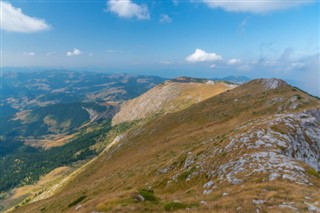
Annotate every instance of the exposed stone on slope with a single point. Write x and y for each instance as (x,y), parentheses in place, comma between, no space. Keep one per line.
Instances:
(271,147)
(312,208)
(271,83)
(271,163)
(294,135)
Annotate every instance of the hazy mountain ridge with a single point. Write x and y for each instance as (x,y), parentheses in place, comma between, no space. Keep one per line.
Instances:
(243,150)
(34,103)
(234,79)
(72,86)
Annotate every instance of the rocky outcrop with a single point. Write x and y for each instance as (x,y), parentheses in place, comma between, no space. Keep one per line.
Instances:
(273,147)
(271,83)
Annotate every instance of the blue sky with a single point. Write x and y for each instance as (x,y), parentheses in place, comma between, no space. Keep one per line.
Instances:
(167,38)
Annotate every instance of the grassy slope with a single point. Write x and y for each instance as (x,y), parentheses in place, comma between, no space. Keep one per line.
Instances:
(170,96)
(25,193)
(110,181)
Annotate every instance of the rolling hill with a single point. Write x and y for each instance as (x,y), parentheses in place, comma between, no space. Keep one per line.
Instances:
(254,148)
(170,96)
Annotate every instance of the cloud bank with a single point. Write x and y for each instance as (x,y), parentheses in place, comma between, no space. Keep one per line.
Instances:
(202,56)
(128,9)
(254,6)
(13,20)
(29,53)
(234,61)
(75,52)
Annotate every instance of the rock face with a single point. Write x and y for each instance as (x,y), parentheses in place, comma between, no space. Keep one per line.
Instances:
(285,140)
(295,135)
(169,97)
(273,147)
(271,83)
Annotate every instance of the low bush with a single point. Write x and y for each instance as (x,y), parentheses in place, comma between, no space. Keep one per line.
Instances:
(148,195)
(76,201)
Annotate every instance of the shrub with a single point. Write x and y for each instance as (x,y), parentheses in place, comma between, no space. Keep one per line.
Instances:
(148,195)
(76,201)
(184,175)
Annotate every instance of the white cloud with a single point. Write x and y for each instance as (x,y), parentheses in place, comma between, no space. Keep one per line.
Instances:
(74,52)
(254,6)
(202,56)
(128,9)
(29,53)
(234,61)
(13,20)
(164,18)
(213,66)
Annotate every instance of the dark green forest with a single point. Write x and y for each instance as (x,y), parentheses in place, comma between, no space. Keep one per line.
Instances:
(27,164)
(38,104)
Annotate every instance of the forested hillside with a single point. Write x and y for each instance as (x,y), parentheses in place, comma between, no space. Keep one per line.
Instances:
(56,118)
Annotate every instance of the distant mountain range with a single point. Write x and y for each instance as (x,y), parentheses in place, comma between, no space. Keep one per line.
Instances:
(50,102)
(234,79)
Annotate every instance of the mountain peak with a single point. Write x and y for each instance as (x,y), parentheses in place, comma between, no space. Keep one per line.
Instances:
(271,83)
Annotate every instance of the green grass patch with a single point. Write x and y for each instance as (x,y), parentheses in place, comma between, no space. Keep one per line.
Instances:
(185,175)
(172,206)
(223,154)
(278,129)
(148,195)
(313,172)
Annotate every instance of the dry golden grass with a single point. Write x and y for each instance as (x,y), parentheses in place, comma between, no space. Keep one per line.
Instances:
(167,98)
(109,181)
(30,192)
(49,141)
